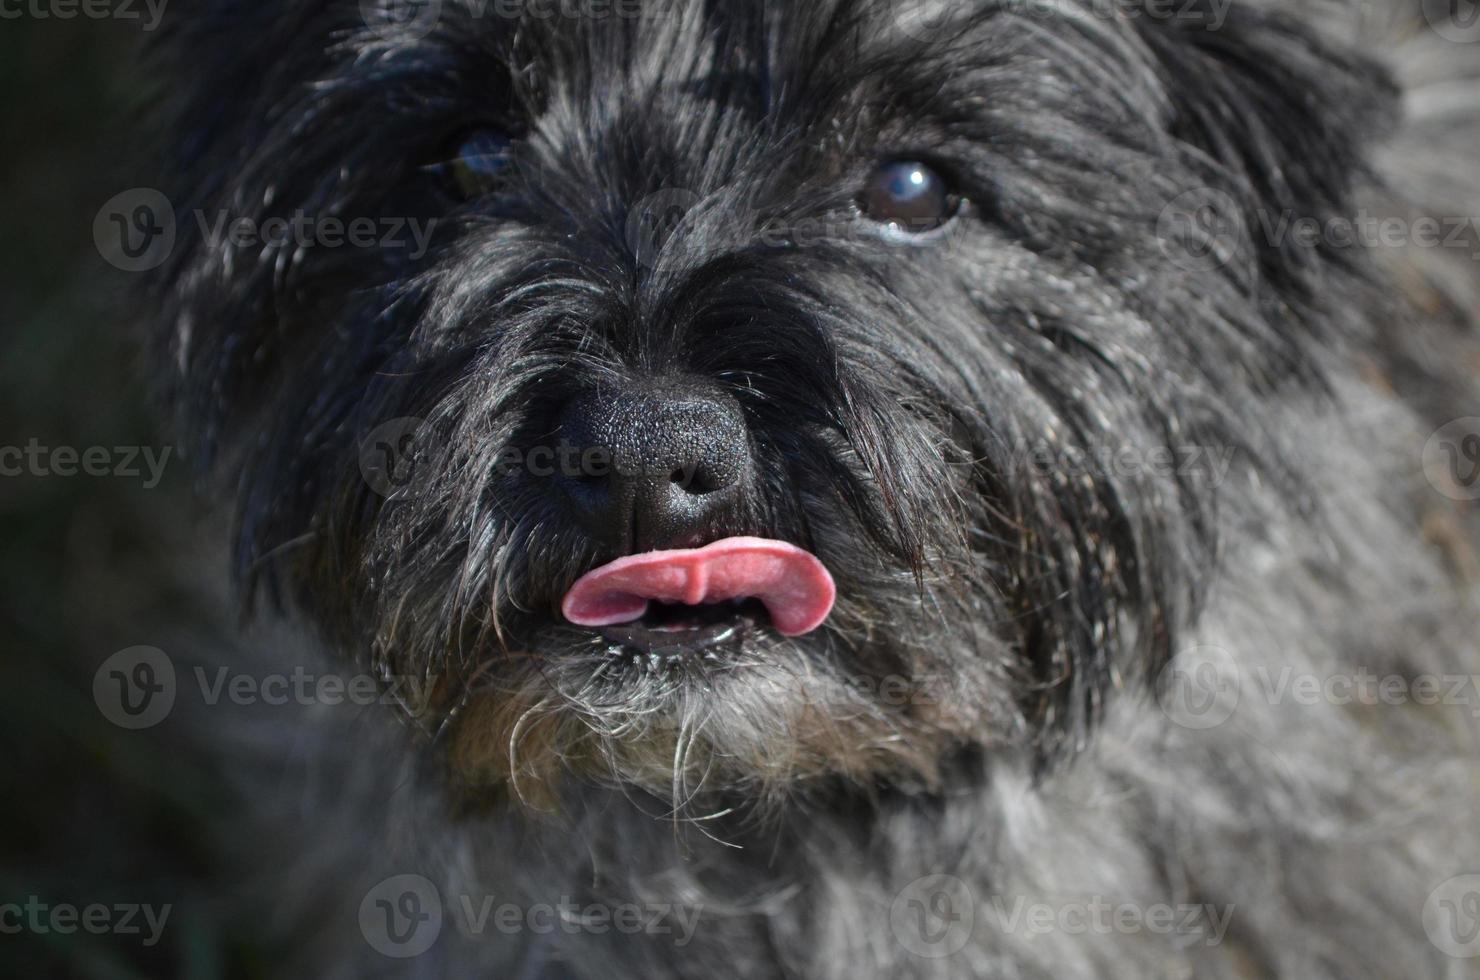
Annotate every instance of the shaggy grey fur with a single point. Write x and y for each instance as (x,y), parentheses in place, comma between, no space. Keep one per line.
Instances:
(1069,622)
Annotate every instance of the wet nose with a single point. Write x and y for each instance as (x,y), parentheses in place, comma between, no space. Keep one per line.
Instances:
(661,462)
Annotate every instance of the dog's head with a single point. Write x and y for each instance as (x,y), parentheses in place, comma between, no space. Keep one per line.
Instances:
(936,305)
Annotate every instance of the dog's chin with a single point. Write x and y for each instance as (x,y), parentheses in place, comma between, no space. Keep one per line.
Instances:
(686,703)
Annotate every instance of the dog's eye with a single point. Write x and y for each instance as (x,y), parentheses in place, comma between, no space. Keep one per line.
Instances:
(908,196)
(480,161)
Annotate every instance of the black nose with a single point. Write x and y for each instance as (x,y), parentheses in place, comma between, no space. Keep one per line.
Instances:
(661,464)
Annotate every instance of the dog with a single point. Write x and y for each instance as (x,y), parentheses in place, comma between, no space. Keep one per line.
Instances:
(843,489)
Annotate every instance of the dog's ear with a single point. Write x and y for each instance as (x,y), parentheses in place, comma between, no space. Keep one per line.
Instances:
(232,72)
(1284,115)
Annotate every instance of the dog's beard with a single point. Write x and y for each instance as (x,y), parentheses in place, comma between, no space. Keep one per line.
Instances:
(939,421)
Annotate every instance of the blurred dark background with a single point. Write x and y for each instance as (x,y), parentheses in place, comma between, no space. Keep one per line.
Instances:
(89,565)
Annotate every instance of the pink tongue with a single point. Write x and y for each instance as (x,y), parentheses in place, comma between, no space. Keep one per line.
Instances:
(794,585)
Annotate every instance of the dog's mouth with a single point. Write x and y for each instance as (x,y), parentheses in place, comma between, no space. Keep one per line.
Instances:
(672,628)
(700,598)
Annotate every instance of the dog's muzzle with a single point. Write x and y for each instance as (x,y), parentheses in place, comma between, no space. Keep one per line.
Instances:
(666,465)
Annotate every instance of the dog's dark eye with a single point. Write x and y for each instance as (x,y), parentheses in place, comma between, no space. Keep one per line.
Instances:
(480,161)
(908,196)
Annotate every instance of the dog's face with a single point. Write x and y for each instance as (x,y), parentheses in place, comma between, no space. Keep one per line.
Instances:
(920,292)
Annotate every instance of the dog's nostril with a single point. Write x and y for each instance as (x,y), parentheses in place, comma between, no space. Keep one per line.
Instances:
(695,479)
(680,453)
